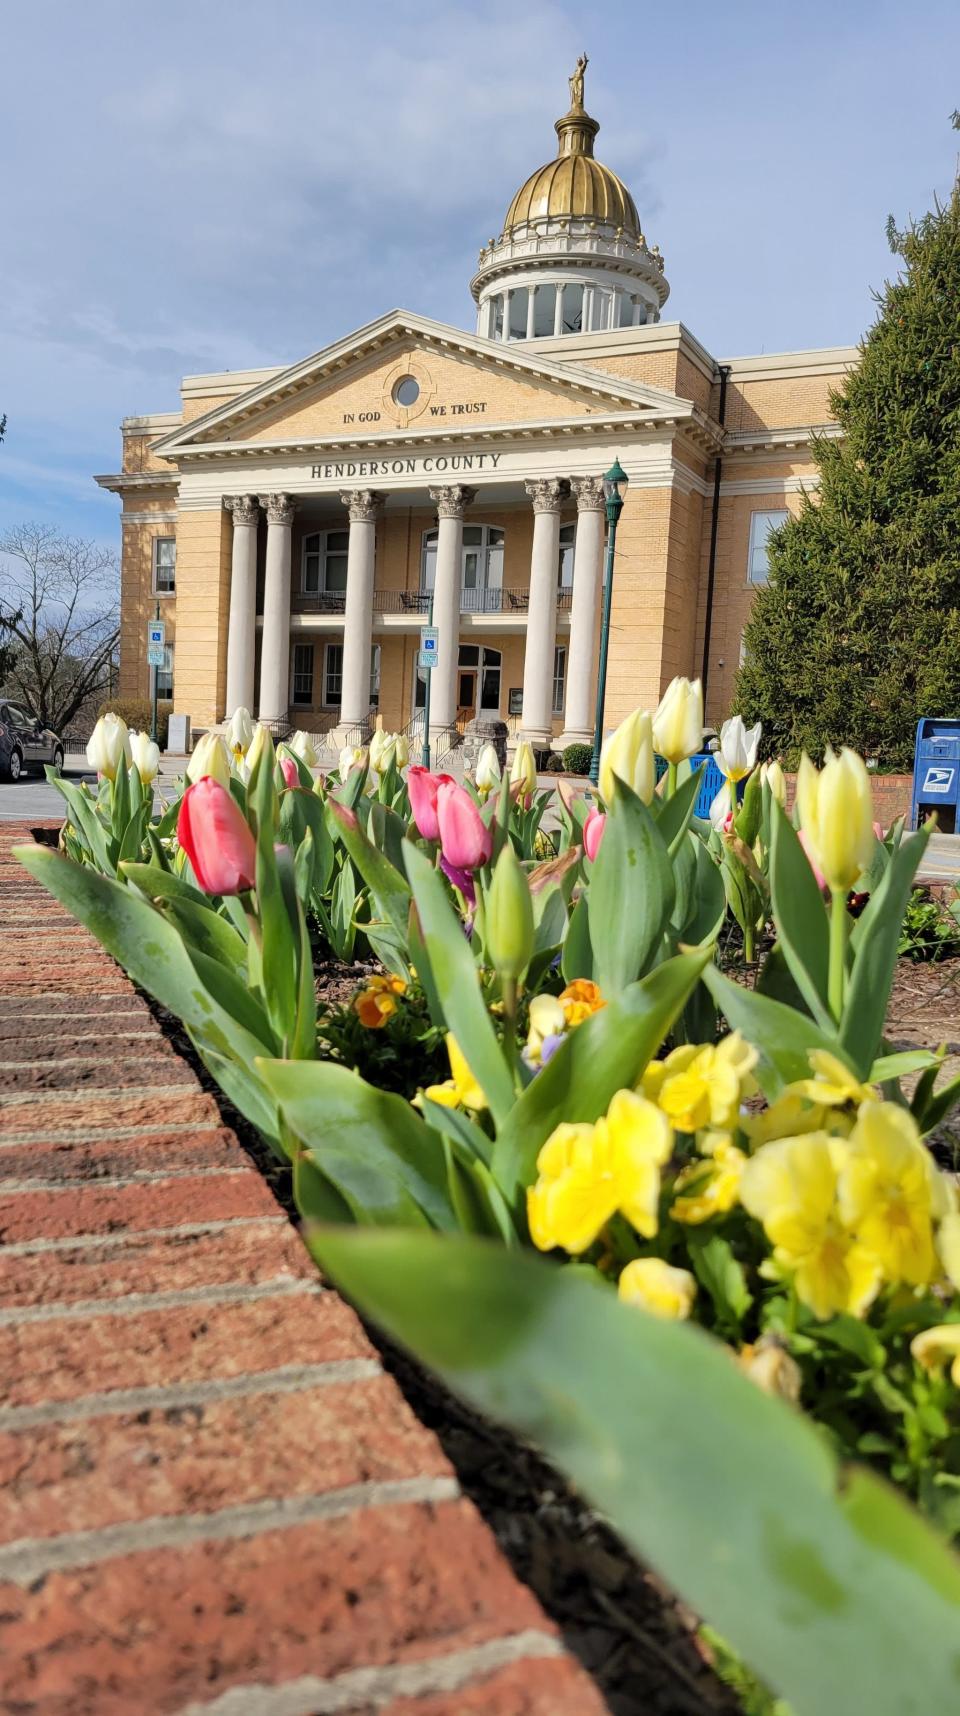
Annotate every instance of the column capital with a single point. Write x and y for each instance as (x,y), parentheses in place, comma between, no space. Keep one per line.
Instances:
(363,505)
(451,500)
(279,508)
(245,508)
(547,493)
(588,492)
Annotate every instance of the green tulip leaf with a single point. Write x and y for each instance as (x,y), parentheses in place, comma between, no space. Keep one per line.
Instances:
(783,1037)
(577,957)
(835,1592)
(874,943)
(389,889)
(803,930)
(631,894)
(674,815)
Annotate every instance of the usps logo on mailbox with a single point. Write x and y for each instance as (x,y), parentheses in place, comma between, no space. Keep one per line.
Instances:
(938,780)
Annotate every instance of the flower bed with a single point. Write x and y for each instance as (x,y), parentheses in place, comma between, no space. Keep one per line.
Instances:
(555,1064)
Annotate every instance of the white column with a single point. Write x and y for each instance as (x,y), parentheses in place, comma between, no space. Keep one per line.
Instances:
(536,721)
(363,506)
(586,319)
(242,625)
(558,310)
(531,310)
(275,639)
(639,312)
(587,583)
(450,503)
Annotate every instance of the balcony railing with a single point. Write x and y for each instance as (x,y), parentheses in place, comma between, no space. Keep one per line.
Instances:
(488,601)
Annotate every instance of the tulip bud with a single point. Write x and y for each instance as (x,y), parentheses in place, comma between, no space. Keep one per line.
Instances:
(213,833)
(836,814)
(302,746)
(109,746)
(255,747)
(289,771)
(239,733)
(465,840)
(145,756)
(776,780)
(524,769)
(210,758)
(378,743)
(593,828)
(738,748)
(403,751)
(678,721)
(628,754)
(509,917)
(487,777)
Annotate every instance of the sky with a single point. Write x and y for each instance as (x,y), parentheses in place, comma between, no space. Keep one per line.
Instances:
(206,185)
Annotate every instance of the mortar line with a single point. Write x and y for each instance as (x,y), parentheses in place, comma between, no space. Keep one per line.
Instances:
(99,1094)
(109,1134)
(133,1235)
(170,1299)
(115,1182)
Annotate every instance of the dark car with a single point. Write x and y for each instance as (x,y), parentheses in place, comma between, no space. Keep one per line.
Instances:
(24,742)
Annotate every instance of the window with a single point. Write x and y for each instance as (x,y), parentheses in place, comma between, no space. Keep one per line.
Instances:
(762,524)
(490,681)
(544,310)
(481,567)
(559,679)
(164,565)
(333,674)
(517,303)
(406,391)
(572,309)
(324,562)
(165,675)
(568,538)
(303,673)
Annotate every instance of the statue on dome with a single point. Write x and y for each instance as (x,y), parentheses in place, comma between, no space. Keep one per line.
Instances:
(576,85)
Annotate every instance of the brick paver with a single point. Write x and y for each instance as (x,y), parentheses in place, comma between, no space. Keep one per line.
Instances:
(213,1500)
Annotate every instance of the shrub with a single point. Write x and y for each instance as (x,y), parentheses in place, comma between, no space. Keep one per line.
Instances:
(577,759)
(553,764)
(138,713)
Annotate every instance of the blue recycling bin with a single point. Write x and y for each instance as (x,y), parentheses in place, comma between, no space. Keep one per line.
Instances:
(936,773)
(713,780)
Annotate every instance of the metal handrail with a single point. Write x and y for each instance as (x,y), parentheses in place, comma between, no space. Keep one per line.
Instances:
(319,601)
(447,740)
(480,601)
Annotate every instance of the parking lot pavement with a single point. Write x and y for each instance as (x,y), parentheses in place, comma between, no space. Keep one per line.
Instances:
(33,799)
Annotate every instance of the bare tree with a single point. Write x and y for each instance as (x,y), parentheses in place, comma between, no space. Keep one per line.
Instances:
(59,609)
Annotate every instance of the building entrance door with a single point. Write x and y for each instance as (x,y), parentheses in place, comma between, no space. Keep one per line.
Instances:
(466,696)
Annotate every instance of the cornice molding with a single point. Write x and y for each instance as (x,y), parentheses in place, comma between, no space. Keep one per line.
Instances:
(120,481)
(148,518)
(779,366)
(769,485)
(757,442)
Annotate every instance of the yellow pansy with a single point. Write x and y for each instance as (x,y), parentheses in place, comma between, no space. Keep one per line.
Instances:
(587,1173)
(833,1085)
(702,1086)
(934,1349)
(376,1002)
(788,1117)
(580,1000)
(546,1019)
(657,1287)
(461,1089)
(890,1192)
(791,1187)
(709,1188)
(948,1245)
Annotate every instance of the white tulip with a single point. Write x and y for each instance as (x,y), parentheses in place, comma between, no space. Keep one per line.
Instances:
(255,748)
(378,740)
(145,756)
(776,780)
(351,757)
(721,807)
(210,758)
(678,722)
(403,750)
(487,777)
(302,746)
(738,748)
(240,732)
(109,745)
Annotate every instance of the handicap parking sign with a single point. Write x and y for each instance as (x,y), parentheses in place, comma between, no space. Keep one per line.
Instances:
(938,780)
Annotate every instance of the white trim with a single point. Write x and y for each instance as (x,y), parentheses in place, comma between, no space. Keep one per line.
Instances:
(777,366)
(747,442)
(782,514)
(770,485)
(148,518)
(228,382)
(646,338)
(152,420)
(154,542)
(117,482)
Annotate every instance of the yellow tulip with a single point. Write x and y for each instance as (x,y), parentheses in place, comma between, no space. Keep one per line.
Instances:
(210,758)
(836,814)
(678,721)
(524,769)
(935,1348)
(890,1193)
(628,754)
(587,1173)
(658,1288)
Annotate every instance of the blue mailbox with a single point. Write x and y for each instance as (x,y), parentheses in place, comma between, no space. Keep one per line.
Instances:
(936,773)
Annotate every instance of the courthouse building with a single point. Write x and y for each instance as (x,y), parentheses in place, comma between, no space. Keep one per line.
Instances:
(296,524)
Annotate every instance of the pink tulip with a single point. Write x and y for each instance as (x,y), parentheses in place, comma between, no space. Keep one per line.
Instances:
(465,840)
(290,772)
(216,839)
(423,788)
(593,829)
(819,876)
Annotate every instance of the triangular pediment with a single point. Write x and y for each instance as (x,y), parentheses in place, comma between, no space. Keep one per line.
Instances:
(353,388)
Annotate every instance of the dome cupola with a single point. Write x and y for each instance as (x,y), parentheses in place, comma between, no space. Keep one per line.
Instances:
(572,257)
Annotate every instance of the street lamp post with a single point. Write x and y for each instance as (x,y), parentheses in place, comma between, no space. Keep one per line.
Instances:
(614,482)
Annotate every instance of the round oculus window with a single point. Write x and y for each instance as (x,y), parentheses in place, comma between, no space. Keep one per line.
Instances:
(406,391)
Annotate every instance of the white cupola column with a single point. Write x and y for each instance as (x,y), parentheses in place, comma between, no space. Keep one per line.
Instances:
(275,639)
(587,584)
(450,502)
(536,721)
(242,623)
(363,507)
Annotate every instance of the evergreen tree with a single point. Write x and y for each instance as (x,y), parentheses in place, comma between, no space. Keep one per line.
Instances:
(857,633)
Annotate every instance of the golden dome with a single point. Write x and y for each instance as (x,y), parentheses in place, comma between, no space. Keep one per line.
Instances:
(574,186)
